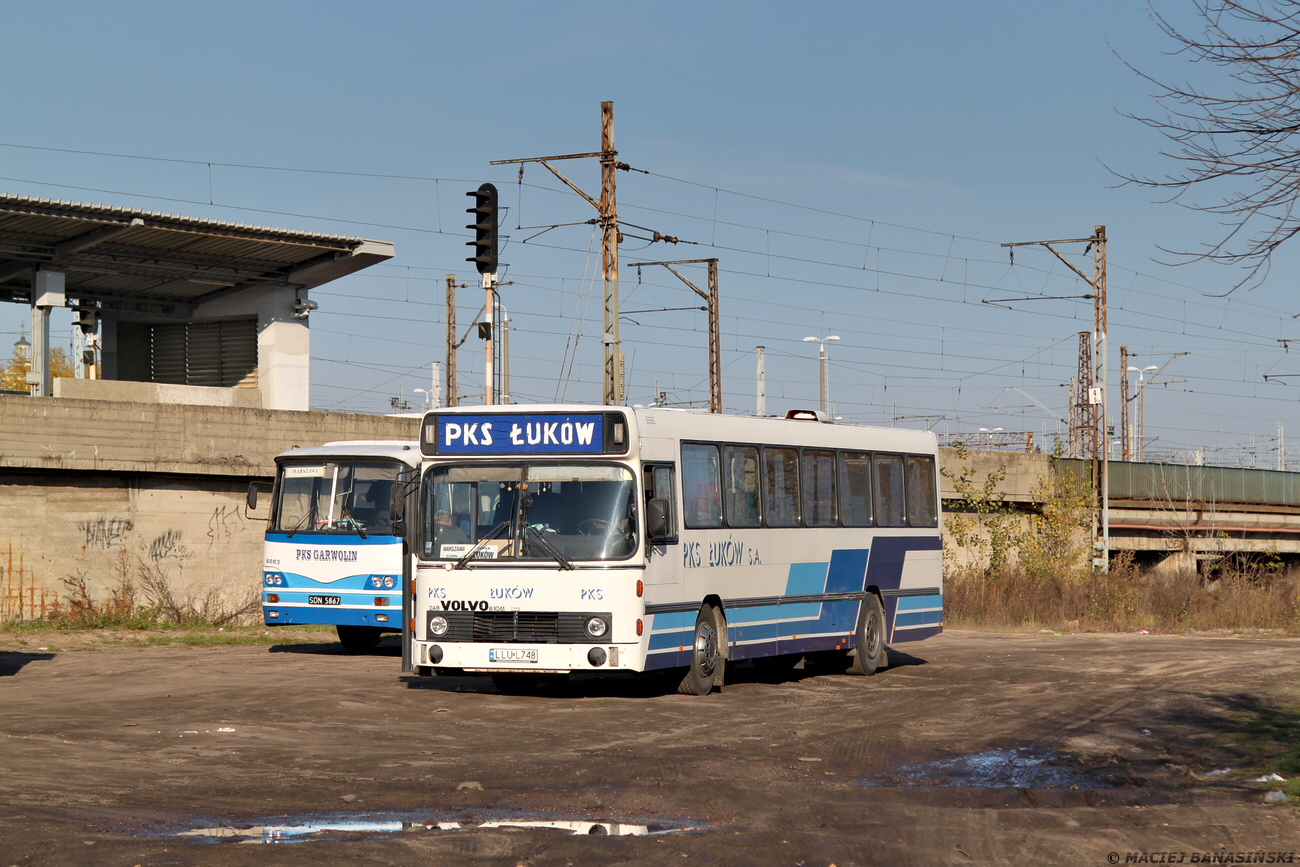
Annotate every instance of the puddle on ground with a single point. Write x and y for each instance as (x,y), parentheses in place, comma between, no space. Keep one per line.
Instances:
(336,826)
(1020,768)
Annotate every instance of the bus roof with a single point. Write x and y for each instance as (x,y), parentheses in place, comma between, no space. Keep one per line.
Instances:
(807,428)
(406,451)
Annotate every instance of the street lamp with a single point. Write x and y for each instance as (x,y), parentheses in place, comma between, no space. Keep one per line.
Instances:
(821,347)
(1142,402)
(990,433)
(428,397)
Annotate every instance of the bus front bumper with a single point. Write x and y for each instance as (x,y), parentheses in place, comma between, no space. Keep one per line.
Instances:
(528,658)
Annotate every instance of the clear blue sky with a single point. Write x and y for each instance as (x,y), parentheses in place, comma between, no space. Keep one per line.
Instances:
(853,165)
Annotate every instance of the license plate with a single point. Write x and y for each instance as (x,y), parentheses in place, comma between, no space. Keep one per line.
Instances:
(324,600)
(511,654)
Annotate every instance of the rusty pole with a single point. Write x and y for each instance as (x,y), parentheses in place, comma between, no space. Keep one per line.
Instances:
(715,342)
(715,326)
(609,258)
(607,208)
(1102,558)
(1126,422)
(453,398)
(1092,386)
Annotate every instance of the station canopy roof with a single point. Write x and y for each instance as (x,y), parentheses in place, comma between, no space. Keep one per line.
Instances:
(159,264)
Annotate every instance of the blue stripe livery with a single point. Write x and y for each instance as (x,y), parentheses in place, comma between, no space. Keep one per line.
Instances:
(802,627)
(339,539)
(294,581)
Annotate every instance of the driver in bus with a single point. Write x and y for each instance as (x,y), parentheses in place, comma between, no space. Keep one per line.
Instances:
(445,532)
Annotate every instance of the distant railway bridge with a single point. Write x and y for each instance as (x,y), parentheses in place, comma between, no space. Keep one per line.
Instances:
(1174,514)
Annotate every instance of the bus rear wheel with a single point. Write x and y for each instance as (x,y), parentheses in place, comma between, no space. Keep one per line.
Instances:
(707,654)
(358,639)
(870,655)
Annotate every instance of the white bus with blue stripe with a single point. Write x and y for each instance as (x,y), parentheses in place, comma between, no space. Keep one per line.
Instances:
(335,541)
(552,540)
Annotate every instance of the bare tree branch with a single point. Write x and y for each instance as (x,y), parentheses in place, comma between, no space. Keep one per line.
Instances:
(1235,147)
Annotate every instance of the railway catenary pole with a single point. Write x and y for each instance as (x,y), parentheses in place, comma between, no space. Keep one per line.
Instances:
(453,397)
(1100,318)
(1126,420)
(607,216)
(715,321)
(1094,400)
(612,339)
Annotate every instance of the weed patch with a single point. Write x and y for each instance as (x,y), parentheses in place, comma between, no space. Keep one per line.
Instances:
(140,597)
(1123,599)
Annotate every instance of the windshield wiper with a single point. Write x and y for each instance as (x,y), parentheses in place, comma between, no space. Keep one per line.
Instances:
(301,521)
(490,535)
(346,514)
(565,562)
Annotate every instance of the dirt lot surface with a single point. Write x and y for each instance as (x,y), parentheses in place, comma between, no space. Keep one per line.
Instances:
(971,749)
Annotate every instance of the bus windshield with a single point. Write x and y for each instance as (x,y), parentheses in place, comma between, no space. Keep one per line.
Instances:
(528,511)
(350,497)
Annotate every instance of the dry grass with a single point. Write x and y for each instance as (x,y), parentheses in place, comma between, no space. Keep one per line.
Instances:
(141,598)
(1124,600)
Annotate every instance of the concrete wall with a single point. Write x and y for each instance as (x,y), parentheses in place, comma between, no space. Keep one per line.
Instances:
(101,491)
(127,391)
(1023,471)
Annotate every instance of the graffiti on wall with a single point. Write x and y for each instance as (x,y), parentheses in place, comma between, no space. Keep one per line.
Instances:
(104,532)
(169,545)
(204,555)
(224,526)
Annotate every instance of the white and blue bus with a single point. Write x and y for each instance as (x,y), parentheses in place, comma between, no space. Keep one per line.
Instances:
(335,541)
(553,540)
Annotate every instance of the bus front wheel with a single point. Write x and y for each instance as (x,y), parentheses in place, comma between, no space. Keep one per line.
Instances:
(870,655)
(358,639)
(707,654)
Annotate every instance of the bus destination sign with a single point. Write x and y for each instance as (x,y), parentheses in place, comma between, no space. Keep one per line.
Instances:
(524,434)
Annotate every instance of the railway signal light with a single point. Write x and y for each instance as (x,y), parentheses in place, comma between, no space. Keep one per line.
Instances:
(485,229)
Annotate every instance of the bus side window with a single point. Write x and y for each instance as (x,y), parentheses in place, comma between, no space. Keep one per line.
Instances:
(922,508)
(889,490)
(701,488)
(740,484)
(817,469)
(781,489)
(855,489)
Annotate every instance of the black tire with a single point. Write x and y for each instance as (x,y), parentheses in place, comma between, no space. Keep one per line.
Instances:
(358,639)
(870,655)
(708,654)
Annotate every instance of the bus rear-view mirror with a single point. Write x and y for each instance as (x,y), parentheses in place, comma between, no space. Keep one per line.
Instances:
(657,526)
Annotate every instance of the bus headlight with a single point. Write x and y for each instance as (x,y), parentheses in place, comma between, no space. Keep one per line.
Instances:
(597,627)
(438,625)
(273,579)
(389,582)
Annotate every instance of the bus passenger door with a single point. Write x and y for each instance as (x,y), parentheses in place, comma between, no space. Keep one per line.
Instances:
(663,555)
(659,486)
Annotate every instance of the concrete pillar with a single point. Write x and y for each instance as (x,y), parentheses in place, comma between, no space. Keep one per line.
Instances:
(47,292)
(283,353)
